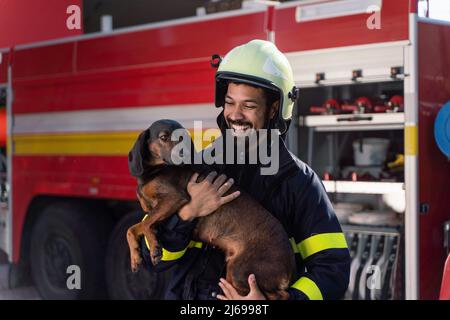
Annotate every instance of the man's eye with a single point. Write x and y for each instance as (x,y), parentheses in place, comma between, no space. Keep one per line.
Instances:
(250,107)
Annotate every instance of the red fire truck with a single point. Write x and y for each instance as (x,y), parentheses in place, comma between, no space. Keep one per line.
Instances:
(74,107)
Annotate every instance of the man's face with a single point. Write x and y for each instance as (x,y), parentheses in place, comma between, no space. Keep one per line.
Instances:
(245,109)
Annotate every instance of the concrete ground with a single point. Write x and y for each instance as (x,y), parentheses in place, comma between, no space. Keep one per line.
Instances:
(24,293)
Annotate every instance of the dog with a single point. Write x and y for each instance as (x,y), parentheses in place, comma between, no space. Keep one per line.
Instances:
(252,239)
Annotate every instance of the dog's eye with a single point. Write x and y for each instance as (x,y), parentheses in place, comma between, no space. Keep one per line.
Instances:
(164,137)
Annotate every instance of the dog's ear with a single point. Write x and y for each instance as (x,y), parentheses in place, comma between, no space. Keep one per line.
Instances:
(139,154)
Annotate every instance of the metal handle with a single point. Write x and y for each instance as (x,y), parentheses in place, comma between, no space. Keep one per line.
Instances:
(356,118)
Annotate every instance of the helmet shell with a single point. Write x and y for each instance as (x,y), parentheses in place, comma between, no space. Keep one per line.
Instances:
(261,64)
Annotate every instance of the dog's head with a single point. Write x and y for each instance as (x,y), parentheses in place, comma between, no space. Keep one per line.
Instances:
(154,147)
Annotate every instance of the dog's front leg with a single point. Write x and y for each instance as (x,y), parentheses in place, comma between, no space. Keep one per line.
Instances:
(132,238)
(165,208)
(154,247)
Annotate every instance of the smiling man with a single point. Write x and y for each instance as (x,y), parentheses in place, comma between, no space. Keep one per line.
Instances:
(245,108)
(255,88)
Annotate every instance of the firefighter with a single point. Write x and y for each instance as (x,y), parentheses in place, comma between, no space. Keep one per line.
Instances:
(255,88)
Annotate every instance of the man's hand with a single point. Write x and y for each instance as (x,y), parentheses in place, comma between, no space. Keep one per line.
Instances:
(230,293)
(207,196)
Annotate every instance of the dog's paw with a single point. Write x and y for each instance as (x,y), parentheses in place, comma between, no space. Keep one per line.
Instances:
(156,254)
(136,260)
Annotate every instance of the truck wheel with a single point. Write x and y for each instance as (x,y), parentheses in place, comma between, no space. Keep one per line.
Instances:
(68,240)
(121,282)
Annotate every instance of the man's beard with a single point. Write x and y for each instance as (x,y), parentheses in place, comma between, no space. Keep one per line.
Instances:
(249,139)
(239,128)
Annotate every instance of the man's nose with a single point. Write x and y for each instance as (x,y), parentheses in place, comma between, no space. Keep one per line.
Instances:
(237,114)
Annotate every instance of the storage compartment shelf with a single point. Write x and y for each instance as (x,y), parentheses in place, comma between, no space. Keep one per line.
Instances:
(348,81)
(347,228)
(363,187)
(351,122)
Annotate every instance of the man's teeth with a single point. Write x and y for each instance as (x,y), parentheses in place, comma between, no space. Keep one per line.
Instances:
(239,128)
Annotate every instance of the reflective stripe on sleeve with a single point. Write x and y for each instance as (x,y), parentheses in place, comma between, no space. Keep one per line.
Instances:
(309,288)
(320,242)
(169,255)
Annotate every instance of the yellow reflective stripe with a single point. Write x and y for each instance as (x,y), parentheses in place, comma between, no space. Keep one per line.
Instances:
(93,143)
(309,288)
(169,256)
(321,242)
(293,244)
(194,244)
(146,241)
(77,143)
(411,140)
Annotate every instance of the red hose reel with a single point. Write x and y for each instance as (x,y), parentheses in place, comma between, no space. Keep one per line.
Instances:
(360,105)
(331,106)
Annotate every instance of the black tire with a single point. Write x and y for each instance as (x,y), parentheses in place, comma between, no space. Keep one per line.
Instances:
(121,282)
(68,233)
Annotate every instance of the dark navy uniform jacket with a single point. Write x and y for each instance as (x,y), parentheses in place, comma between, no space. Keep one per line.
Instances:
(297,198)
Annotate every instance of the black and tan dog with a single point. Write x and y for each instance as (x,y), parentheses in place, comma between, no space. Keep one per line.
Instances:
(252,239)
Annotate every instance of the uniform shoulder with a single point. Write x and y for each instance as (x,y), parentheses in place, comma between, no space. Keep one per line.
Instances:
(300,167)
(301,176)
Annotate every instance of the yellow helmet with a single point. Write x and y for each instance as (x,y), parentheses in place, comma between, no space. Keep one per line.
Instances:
(259,63)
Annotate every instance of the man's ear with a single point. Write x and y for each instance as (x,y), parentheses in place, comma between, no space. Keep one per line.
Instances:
(274,109)
(138,154)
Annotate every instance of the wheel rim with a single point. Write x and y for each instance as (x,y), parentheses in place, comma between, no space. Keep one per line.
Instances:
(57,257)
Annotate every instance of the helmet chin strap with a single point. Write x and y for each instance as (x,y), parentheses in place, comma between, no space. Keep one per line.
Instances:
(221,123)
(277,123)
